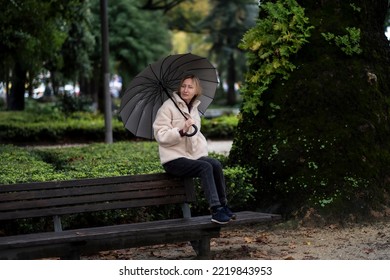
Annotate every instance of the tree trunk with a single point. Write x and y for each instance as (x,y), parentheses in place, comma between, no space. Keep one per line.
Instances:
(327,145)
(16,97)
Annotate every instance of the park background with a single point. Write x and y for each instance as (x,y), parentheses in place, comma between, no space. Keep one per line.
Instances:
(304,93)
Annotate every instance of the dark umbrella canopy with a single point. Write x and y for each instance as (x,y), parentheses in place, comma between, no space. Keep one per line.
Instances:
(155,84)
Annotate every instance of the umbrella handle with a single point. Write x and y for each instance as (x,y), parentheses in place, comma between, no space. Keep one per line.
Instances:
(193,133)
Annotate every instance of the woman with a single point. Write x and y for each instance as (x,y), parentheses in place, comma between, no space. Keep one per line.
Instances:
(182,155)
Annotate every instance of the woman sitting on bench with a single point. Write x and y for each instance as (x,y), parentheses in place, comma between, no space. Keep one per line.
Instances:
(186,155)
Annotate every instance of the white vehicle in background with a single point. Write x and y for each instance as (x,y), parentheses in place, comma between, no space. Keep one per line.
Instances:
(39,91)
(2,89)
(387,33)
(73,90)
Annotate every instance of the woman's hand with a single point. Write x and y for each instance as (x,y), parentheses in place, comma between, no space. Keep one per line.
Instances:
(187,125)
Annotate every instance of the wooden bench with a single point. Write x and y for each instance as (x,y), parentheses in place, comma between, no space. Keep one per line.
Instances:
(55,199)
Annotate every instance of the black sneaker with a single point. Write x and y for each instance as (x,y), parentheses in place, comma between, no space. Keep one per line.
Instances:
(220,216)
(229,212)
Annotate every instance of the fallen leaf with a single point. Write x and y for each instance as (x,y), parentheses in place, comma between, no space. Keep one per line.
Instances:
(248,239)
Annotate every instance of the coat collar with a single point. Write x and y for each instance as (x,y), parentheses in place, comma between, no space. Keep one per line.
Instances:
(182,104)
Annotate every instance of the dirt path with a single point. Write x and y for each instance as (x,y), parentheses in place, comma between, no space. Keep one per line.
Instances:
(282,241)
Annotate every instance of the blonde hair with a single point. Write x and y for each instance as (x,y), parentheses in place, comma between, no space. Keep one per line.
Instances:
(195,79)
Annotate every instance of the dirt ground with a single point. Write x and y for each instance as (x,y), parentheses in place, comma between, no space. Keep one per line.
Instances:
(281,241)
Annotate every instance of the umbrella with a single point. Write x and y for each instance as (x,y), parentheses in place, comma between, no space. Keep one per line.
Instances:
(155,84)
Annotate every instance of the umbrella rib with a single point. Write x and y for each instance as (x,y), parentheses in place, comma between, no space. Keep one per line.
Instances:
(179,57)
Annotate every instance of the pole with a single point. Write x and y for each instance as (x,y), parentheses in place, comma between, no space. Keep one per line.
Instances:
(106,73)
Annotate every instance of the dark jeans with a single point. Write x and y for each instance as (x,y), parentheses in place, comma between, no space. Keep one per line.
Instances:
(210,172)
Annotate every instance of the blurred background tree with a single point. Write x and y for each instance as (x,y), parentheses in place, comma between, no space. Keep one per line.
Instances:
(59,42)
(225,24)
(137,37)
(32,33)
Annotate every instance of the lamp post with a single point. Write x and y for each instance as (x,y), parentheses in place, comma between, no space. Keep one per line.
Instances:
(106,73)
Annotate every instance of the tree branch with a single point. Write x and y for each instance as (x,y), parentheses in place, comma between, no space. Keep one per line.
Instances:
(164,5)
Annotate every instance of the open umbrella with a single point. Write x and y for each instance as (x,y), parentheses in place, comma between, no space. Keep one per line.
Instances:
(155,84)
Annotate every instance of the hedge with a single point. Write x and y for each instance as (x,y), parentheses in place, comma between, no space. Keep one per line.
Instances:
(32,128)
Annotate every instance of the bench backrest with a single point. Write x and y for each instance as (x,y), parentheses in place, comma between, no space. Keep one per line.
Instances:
(88,195)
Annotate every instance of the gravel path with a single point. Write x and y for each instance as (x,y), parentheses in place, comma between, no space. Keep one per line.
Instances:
(283,241)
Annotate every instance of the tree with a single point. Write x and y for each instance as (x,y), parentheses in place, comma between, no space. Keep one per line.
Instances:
(222,26)
(226,23)
(35,42)
(164,5)
(53,35)
(77,47)
(32,34)
(315,119)
(137,37)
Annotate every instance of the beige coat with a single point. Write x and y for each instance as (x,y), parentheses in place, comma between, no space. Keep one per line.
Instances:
(169,121)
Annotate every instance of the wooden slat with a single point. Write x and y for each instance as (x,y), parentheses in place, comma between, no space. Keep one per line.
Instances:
(86,208)
(92,240)
(88,195)
(93,198)
(87,190)
(87,182)
(92,195)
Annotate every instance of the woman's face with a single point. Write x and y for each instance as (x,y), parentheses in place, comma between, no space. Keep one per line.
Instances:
(187,90)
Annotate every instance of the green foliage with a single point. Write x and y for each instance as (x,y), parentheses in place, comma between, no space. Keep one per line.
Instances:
(64,37)
(33,32)
(220,127)
(72,129)
(349,43)
(82,161)
(45,123)
(79,44)
(321,139)
(70,122)
(102,160)
(69,104)
(279,34)
(355,8)
(226,23)
(240,190)
(20,165)
(137,36)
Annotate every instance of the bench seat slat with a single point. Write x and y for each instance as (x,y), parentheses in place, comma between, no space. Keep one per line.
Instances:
(92,240)
(76,235)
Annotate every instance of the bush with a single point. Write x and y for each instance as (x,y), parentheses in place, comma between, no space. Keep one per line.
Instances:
(102,160)
(79,127)
(83,161)
(45,123)
(220,127)
(68,104)
(20,165)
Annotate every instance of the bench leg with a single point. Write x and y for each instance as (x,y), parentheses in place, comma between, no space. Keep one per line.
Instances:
(195,246)
(72,255)
(202,247)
